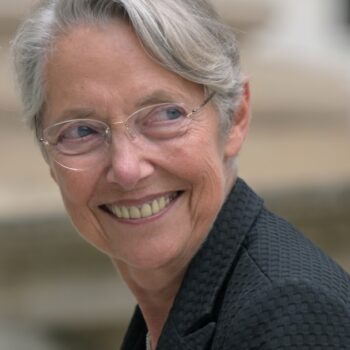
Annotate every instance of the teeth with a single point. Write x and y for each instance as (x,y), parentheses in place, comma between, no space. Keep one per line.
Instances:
(117,211)
(135,213)
(155,206)
(162,203)
(144,211)
(125,213)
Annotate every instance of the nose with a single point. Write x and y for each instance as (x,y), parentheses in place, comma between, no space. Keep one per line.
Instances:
(128,164)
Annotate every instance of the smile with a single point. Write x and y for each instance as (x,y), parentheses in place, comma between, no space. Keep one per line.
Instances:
(144,210)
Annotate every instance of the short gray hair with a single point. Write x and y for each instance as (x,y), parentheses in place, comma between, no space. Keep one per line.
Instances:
(186,36)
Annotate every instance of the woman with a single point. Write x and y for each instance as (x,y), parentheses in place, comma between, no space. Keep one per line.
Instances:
(140,110)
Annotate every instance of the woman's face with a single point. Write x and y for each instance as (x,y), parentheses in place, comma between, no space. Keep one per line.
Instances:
(106,71)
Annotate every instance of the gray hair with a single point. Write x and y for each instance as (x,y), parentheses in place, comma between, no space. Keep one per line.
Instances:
(185,36)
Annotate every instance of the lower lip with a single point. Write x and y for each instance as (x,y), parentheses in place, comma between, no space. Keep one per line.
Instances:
(150,218)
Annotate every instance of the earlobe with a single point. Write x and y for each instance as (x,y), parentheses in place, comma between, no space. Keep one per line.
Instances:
(240,126)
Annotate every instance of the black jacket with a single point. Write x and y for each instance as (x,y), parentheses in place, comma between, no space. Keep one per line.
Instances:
(256,283)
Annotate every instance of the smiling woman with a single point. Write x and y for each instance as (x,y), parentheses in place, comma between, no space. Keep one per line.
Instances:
(140,116)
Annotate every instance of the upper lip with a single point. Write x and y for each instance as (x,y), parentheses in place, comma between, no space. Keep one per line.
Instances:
(128,202)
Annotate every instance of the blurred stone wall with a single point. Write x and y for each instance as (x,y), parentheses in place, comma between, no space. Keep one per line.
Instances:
(57,292)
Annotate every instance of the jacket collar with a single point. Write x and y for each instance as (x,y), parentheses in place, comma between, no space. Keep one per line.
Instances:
(191,322)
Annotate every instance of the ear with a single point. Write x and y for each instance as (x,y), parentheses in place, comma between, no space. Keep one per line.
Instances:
(240,125)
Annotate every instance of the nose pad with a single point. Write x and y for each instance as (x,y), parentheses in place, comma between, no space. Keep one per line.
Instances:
(129,131)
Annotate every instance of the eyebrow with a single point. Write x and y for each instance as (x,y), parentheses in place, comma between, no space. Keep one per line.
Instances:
(76,113)
(157,96)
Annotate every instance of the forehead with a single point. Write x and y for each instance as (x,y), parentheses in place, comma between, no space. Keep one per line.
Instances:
(93,66)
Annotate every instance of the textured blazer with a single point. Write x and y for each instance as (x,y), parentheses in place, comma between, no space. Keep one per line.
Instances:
(256,283)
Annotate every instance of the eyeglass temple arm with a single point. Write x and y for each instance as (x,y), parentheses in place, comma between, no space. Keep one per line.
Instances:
(202,104)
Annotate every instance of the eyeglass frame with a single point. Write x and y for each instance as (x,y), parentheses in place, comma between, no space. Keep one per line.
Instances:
(46,143)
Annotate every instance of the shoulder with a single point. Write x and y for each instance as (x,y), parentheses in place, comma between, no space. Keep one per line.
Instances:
(282,253)
(284,292)
(290,314)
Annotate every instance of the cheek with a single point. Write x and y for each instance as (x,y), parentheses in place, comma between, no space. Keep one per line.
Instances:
(202,167)
(207,190)
(77,190)
(201,159)
(206,196)
(75,186)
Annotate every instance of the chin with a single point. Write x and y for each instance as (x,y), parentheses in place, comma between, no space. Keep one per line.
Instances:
(156,255)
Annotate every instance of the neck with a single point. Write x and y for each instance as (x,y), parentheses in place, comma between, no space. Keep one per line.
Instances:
(155,292)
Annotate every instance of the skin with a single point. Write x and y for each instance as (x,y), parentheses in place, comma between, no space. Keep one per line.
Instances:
(104,69)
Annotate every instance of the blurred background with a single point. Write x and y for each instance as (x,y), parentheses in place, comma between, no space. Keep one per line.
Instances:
(57,292)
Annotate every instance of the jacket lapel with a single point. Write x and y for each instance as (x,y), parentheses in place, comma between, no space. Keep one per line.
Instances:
(192,320)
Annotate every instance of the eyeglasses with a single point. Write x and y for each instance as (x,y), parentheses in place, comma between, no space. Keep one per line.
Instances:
(80,144)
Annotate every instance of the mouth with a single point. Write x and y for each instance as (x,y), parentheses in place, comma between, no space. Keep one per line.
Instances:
(144,210)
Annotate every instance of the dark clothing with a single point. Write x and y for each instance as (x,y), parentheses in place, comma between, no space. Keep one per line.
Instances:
(256,283)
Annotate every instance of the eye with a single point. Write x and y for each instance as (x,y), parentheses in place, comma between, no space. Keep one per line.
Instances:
(79,131)
(171,113)
(163,121)
(76,131)
(162,114)
(74,137)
